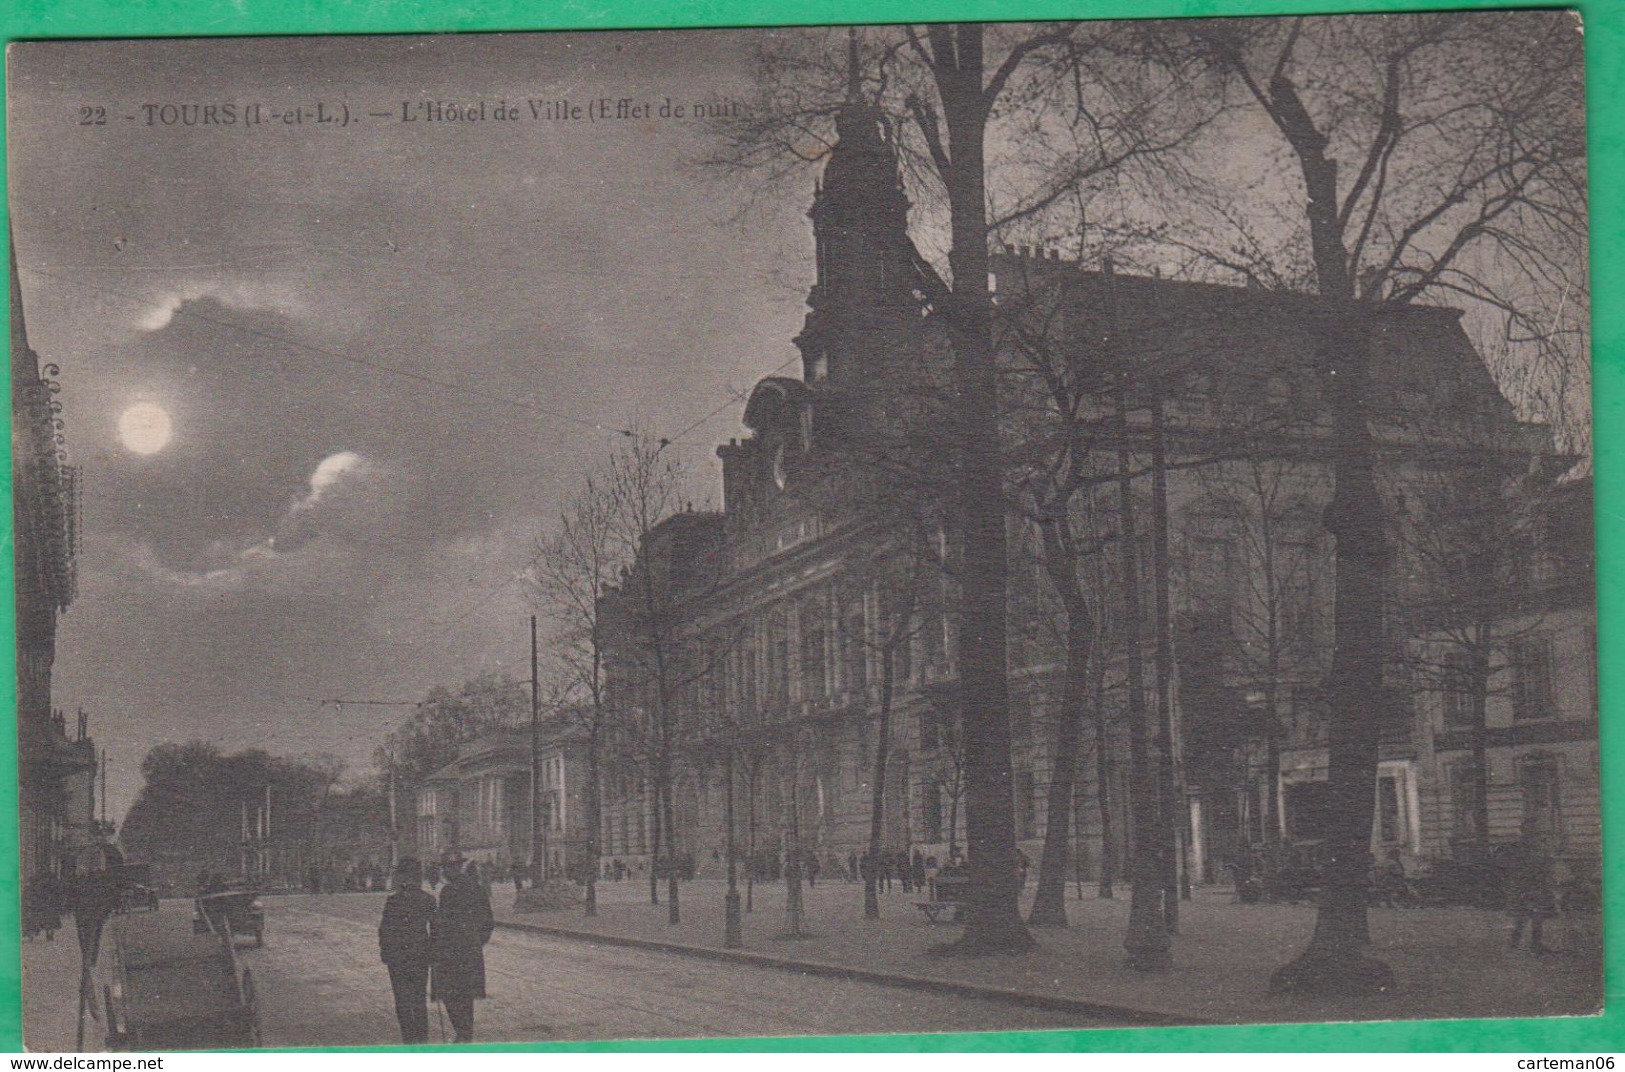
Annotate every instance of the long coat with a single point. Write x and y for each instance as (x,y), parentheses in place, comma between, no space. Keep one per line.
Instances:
(461,928)
(404,932)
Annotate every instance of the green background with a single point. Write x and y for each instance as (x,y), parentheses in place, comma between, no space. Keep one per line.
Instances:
(1605,58)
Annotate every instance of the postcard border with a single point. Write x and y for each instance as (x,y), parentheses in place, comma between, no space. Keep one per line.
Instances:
(1604,23)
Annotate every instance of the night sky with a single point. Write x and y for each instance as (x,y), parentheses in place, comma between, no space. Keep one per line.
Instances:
(386,354)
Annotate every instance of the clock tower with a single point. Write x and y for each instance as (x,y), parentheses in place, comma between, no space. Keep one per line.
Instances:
(865,300)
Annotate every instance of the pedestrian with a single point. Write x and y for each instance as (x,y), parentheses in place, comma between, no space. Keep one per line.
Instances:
(462,926)
(931,870)
(905,871)
(885,871)
(852,874)
(404,945)
(94,903)
(1531,891)
(812,870)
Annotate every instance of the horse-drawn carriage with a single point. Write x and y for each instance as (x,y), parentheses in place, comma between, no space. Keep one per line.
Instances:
(165,987)
(232,912)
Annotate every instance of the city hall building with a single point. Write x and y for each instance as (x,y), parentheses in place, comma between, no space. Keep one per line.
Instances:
(779,631)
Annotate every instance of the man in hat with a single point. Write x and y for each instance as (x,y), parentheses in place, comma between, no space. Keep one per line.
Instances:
(462,926)
(404,946)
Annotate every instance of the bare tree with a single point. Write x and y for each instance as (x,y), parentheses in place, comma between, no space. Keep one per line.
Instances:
(573,571)
(1055,396)
(1470,535)
(893,580)
(676,559)
(1252,571)
(1467,182)
(945,88)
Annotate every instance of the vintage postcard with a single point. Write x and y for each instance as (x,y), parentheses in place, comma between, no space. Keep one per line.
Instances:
(842,530)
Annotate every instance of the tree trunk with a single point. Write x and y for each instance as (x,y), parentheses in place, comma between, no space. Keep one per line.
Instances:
(1168,825)
(1147,939)
(1103,782)
(1481,762)
(993,919)
(877,810)
(654,855)
(750,834)
(792,859)
(1049,899)
(674,914)
(1272,768)
(1334,962)
(594,823)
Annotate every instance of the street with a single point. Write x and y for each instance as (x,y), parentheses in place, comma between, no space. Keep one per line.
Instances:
(321,984)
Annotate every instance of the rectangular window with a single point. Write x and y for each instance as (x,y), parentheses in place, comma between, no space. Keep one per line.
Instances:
(1390,809)
(1458,689)
(1530,659)
(747,679)
(1297,596)
(1540,783)
(1212,580)
(778,660)
(1462,784)
(812,649)
(932,808)
(855,654)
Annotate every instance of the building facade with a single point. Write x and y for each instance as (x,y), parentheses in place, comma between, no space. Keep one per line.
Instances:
(478,806)
(814,616)
(56,770)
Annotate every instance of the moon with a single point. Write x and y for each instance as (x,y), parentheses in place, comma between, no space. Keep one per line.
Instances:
(144,428)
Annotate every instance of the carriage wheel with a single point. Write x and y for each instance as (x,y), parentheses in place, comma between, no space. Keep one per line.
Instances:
(251,1011)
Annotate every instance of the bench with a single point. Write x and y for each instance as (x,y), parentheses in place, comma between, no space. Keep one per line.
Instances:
(945,892)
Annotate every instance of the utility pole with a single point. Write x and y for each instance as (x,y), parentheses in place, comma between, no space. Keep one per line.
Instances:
(394,829)
(537,861)
(265,839)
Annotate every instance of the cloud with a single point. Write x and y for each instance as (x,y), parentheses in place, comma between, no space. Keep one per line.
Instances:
(240,294)
(300,524)
(330,471)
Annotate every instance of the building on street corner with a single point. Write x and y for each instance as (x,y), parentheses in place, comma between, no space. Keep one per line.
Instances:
(57,770)
(783,622)
(478,805)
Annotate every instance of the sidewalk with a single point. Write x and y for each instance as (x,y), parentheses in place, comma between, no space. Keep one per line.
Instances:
(1450,963)
(50,994)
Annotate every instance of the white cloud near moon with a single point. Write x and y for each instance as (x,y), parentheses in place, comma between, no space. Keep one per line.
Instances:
(241,294)
(329,473)
(336,477)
